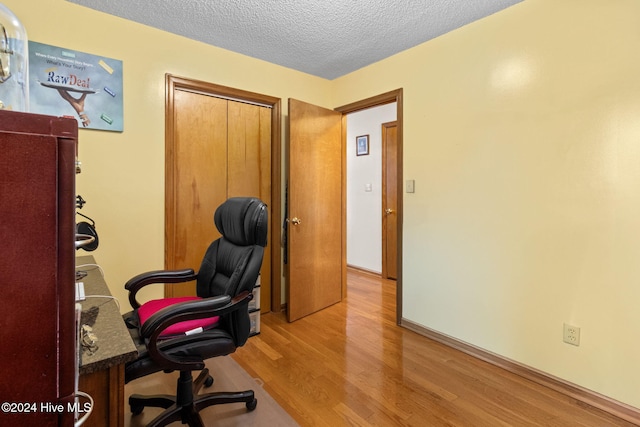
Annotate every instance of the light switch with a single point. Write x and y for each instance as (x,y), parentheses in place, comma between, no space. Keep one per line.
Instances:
(411,186)
(368,187)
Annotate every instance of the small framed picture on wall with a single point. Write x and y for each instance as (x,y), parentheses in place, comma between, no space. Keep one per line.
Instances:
(362,145)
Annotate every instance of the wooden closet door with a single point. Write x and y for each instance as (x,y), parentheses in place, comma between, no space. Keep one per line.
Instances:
(199,169)
(221,149)
(249,166)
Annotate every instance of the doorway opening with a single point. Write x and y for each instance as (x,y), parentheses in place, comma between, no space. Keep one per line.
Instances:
(316,206)
(377,101)
(371,190)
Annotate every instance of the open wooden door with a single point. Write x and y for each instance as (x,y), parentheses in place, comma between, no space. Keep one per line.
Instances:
(390,200)
(315,209)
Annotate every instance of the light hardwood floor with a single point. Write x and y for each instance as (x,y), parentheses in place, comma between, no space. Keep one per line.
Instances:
(351,364)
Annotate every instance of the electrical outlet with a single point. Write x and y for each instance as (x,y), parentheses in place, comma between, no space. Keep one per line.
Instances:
(571,335)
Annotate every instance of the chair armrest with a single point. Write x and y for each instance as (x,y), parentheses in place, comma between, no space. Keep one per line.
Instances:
(180,312)
(158,276)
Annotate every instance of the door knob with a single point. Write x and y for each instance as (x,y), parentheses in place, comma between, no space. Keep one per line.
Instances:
(296,220)
(388,211)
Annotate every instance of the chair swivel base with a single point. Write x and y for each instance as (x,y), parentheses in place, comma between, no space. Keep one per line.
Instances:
(185,406)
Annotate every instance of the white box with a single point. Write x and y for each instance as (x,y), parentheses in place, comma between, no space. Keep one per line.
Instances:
(254,304)
(255,323)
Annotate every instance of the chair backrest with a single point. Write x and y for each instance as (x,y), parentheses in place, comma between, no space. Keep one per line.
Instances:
(232,263)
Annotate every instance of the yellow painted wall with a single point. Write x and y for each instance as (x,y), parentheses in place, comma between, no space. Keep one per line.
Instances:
(522,132)
(123,173)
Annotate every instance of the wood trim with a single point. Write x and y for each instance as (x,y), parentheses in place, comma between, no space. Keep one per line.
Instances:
(173,83)
(344,205)
(374,101)
(224,91)
(276,208)
(592,398)
(169,178)
(382,99)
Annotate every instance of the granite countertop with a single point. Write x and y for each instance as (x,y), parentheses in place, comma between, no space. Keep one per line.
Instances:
(114,344)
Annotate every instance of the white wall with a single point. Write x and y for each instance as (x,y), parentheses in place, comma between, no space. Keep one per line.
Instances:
(364,208)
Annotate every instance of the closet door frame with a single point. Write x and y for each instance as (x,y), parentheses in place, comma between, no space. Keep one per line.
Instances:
(174,83)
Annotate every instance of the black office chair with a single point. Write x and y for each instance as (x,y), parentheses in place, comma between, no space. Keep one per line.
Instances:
(178,334)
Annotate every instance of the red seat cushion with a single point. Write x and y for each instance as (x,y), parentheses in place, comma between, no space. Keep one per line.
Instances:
(149,308)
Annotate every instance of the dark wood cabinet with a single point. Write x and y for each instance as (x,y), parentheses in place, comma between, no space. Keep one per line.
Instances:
(37,262)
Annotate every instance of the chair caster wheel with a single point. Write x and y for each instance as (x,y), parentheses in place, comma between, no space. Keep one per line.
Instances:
(136,410)
(252,405)
(209,381)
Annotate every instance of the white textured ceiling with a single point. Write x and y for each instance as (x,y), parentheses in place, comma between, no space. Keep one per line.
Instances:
(326,38)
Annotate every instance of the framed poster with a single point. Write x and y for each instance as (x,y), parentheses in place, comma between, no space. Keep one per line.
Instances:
(64,82)
(362,145)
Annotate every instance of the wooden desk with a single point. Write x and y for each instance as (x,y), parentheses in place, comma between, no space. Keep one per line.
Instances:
(102,372)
